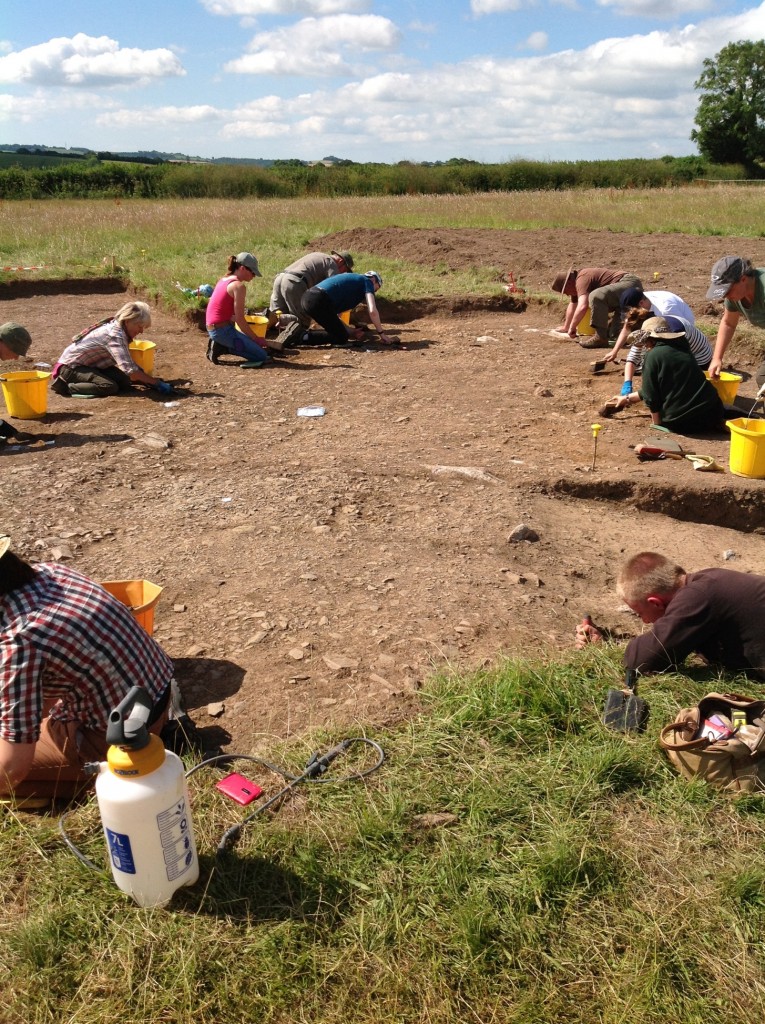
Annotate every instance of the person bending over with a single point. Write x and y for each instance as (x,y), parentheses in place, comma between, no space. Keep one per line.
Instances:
(15,342)
(291,285)
(69,654)
(717,613)
(674,386)
(597,289)
(328,298)
(742,287)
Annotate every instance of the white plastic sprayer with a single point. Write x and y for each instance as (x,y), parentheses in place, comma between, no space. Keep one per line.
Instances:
(144,803)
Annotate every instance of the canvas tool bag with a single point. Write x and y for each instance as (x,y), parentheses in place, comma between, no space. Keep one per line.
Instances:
(735,764)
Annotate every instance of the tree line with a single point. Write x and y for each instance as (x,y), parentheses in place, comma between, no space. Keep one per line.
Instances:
(106,179)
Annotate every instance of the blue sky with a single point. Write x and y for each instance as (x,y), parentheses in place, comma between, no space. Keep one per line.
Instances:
(491,80)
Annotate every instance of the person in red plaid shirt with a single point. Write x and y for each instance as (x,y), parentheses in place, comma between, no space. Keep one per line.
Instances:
(69,653)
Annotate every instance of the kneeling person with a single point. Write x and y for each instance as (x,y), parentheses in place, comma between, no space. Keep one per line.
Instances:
(69,654)
(334,295)
(98,362)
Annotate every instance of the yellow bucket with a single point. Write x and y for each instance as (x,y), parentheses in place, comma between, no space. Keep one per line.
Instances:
(726,386)
(26,394)
(258,323)
(585,327)
(346,316)
(143,353)
(747,447)
(140,596)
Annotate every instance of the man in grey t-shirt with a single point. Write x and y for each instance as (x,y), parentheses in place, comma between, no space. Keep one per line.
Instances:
(742,287)
(291,285)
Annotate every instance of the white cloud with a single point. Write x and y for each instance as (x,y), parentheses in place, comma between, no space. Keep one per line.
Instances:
(620,94)
(536,41)
(428,27)
(167,116)
(254,8)
(17,108)
(495,6)
(317,46)
(85,61)
(673,9)
(40,102)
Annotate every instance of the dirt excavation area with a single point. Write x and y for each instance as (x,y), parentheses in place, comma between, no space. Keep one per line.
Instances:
(316,570)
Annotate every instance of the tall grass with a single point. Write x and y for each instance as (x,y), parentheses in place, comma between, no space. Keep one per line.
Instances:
(154,243)
(570,877)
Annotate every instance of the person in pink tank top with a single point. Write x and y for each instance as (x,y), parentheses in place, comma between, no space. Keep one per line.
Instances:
(226,312)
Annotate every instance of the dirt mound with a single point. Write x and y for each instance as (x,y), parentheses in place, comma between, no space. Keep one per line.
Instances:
(682,262)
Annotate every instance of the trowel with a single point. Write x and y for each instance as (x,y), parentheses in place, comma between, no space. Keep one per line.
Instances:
(624,710)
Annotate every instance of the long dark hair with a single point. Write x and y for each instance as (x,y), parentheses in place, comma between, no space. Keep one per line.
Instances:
(14,573)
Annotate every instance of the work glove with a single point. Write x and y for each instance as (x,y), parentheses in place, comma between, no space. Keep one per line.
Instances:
(163,387)
(626,388)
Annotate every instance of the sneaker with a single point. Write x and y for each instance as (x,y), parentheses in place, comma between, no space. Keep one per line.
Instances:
(214,351)
(277,344)
(594,341)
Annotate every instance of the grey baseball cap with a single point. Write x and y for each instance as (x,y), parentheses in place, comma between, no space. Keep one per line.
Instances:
(16,338)
(246,259)
(725,272)
(345,256)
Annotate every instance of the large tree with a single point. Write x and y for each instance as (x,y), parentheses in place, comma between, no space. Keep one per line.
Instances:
(730,120)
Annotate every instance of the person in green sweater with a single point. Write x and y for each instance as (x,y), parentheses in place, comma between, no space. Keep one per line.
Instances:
(674,386)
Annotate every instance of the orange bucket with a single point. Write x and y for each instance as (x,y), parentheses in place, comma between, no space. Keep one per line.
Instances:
(140,596)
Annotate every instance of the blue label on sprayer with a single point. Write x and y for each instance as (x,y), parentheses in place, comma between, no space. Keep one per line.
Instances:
(120,851)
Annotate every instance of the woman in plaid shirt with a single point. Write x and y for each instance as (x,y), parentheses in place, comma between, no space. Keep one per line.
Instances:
(69,653)
(98,361)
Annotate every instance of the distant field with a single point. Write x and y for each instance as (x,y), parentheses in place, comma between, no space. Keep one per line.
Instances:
(27,160)
(155,243)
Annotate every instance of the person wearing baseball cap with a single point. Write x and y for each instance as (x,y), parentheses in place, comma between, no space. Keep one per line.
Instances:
(226,312)
(741,287)
(326,300)
(15,342)
(291,285)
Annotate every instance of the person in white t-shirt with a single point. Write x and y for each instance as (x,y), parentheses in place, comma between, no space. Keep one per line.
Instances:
(638,306)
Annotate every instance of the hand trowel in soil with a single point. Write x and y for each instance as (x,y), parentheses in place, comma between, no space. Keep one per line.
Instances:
(624,710)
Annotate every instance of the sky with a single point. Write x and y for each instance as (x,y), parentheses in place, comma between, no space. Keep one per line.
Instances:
(363,80)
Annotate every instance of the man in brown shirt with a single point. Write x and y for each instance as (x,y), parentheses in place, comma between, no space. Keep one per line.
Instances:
(597,289)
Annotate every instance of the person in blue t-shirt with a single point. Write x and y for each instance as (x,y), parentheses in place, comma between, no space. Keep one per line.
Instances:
(328,298)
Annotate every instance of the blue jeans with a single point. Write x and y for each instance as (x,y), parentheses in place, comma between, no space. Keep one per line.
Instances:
(233,340)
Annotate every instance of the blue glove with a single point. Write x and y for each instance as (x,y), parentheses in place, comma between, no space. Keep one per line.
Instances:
(626,388)
(163,387)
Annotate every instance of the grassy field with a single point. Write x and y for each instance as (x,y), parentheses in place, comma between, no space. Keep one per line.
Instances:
(571,877)
(155,243)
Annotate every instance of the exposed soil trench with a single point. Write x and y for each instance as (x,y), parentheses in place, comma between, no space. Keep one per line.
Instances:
(316,571)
